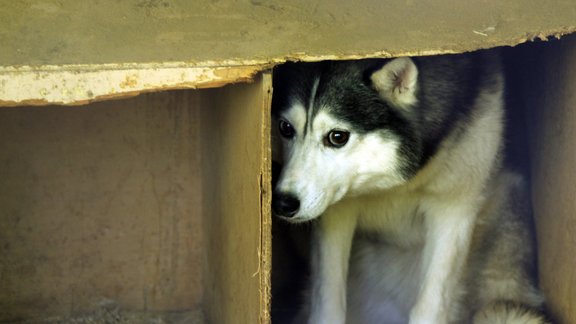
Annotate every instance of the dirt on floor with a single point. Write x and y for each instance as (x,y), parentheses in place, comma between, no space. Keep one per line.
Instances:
(112,314)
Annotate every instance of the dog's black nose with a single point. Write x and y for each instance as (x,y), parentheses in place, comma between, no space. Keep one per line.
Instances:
(285,204)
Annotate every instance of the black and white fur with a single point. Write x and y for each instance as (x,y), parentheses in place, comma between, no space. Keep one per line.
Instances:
(398,163)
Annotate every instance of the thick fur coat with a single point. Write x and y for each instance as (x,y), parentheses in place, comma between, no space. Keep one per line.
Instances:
(398,164)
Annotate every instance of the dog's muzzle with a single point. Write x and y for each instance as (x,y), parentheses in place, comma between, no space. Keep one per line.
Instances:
(285,204)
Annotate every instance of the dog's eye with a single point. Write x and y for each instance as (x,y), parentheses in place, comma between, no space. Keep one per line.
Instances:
(337,138)
(286,129)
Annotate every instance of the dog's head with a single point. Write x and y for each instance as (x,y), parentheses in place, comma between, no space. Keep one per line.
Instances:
(346,128)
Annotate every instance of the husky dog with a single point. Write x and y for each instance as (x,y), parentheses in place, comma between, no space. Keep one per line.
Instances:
(398,163)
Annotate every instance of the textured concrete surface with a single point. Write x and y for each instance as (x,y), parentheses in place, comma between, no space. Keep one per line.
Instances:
(75,52)
(208,32)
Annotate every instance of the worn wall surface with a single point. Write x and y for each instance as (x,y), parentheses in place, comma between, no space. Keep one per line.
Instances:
(552,100)
(236,194)
(101,204)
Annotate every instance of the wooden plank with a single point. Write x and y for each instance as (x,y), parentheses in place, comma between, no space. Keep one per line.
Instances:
(83,85)
(236,189)
(266,202)
(551,96)
(74,52)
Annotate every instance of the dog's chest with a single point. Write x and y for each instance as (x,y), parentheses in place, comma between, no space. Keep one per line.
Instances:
(395,218)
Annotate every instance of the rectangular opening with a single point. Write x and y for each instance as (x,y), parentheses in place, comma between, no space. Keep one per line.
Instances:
(542,116)
(146,208)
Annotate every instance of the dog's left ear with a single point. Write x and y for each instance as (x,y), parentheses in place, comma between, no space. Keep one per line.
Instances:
(396,82)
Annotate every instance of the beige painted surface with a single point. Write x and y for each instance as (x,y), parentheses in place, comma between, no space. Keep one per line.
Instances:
(101,204)
(552,95)
(157,203)
(69,86)
(236,195)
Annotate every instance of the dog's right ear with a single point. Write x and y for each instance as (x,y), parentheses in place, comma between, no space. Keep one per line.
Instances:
(396,82)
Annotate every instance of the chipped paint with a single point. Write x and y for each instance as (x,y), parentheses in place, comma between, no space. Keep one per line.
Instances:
(131,81)
(78,86)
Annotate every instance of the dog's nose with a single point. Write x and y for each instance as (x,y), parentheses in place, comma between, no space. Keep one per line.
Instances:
(285,204)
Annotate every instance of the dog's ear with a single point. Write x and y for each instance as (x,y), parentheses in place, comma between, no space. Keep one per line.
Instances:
(396,82)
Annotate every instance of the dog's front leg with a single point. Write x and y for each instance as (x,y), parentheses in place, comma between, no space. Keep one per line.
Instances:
(449,229)
(331,250)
